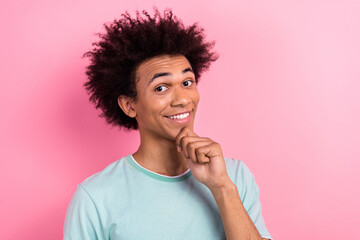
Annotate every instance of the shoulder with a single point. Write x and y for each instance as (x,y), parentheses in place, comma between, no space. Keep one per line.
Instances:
(241,176)
(106,178)
(237,168)
(96,187)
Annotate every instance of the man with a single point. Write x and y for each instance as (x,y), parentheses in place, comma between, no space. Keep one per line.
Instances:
(177,185)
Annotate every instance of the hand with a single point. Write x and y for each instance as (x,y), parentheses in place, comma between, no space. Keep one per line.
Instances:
(204,157)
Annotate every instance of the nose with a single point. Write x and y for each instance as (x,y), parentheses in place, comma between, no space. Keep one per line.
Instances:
(180,98)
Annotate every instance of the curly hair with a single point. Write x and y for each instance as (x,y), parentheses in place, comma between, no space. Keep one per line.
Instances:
(126,44)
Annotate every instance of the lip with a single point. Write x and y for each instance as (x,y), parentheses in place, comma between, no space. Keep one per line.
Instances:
(178,113)
(180,121)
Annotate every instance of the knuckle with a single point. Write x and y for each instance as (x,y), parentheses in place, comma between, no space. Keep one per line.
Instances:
(188,148)
(182,141)
(192,145)
(185,130)
(198,152)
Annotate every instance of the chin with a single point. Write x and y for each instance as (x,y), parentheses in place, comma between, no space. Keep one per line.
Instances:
(174,133)
(177,130)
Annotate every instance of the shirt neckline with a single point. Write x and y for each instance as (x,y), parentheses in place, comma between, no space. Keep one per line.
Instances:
(185,175)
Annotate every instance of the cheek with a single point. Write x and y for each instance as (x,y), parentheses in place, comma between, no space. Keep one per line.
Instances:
(155,106)
(196,96)
(162,102)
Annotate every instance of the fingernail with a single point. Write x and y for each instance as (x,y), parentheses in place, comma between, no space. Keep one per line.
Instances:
(178,148)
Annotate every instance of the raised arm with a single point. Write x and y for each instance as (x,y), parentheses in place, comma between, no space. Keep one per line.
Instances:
(207,165)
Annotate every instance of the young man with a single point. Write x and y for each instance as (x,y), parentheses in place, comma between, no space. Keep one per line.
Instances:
(177,185)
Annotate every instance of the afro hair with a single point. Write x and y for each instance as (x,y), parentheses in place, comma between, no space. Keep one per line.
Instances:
(126,44)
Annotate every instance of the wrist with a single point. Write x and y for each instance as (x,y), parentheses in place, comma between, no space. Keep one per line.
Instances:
(226,187)
(224,194)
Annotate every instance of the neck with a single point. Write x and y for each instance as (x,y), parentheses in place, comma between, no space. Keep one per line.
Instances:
(160,156)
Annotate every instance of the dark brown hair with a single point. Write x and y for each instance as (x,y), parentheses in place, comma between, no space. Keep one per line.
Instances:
(130,41)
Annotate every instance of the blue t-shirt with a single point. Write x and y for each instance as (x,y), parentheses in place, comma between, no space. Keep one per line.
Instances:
(127,201)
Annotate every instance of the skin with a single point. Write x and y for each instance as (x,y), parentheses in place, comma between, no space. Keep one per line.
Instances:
(174,91)
(178,93)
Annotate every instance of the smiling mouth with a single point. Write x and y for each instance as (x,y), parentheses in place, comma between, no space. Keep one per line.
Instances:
(179,116)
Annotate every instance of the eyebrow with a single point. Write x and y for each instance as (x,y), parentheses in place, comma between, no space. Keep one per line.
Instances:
(162,74)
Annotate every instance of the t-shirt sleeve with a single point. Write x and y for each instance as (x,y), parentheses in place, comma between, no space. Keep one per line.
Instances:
(82,220)
(250,196)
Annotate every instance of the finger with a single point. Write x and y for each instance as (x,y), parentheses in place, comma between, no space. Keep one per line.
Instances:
(193,151)
(208,151)
(184,142)
(201,157)
(183,132)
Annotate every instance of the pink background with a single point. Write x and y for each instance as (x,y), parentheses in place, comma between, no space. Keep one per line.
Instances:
(283,97)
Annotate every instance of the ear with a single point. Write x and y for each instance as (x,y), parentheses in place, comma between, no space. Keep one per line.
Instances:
(126,104)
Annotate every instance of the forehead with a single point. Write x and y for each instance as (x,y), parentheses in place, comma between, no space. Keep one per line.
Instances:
(163,63)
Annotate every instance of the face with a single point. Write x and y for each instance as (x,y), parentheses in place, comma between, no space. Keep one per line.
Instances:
(167,96)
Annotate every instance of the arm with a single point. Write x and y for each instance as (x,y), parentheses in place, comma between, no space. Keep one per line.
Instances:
(233,212)
(207,165)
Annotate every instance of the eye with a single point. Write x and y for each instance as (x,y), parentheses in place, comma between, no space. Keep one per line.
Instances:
(160,88)
(188,83)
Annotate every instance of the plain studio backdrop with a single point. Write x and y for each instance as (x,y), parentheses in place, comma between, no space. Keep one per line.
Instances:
(283,98)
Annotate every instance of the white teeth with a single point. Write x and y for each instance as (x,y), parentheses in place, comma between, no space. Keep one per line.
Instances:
(180,116)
